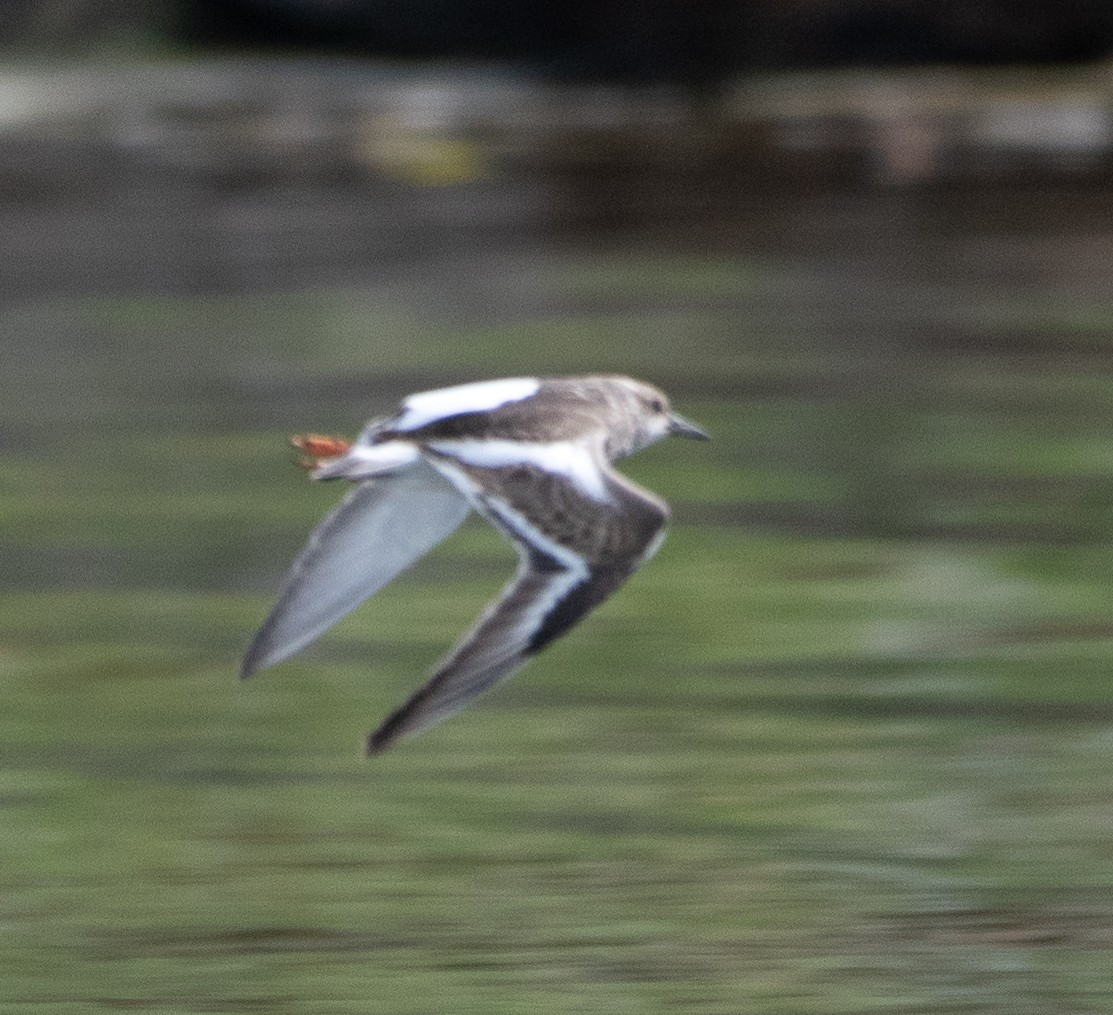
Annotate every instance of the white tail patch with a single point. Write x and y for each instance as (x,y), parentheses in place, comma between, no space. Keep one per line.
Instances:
(363,460)
(429,406)
(566,458)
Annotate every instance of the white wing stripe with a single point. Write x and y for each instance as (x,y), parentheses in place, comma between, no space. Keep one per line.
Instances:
(566,458)
(527,534)
(428,406)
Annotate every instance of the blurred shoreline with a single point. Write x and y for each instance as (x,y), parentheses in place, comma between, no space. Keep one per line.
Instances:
(73,129)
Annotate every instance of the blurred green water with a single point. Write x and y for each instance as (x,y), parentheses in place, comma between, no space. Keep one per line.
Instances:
(845,745)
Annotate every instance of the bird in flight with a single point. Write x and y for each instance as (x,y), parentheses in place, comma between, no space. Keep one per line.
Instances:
(534,457)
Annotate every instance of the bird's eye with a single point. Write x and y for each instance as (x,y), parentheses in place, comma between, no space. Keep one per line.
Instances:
(657,405)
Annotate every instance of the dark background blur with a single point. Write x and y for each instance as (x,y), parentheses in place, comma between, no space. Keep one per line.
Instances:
(698,42)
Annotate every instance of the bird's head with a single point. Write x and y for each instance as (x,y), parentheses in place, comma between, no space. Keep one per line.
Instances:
(650,416)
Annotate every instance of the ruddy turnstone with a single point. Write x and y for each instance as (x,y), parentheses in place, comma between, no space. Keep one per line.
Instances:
(533,456)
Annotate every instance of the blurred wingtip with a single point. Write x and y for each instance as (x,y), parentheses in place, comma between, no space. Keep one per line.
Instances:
(258,657)
(376,743)
(250,666)
(391,730)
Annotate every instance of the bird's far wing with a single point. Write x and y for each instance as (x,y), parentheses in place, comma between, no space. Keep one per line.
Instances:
(514,627)
(377,531)
(554,589)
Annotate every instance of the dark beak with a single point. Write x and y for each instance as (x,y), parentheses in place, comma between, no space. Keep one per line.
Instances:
(680,427)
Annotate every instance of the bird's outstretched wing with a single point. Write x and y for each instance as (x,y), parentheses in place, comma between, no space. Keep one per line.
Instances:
(564,573)
(377,531)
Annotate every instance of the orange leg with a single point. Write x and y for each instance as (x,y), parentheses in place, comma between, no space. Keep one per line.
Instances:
(317,448)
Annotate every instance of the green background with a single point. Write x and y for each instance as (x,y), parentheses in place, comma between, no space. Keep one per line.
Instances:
(845,745)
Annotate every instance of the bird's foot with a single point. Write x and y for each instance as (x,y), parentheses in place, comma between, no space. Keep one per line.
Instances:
(318,448)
